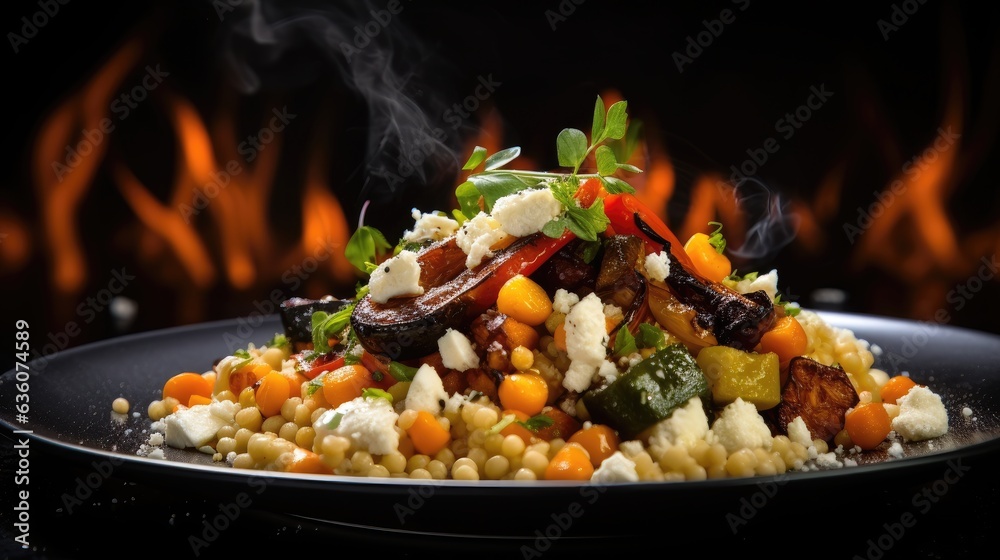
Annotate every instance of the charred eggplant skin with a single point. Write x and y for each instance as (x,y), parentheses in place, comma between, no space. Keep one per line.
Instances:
(296,315)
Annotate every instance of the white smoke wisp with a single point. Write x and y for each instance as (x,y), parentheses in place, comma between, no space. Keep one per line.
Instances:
(376,56)
(773,224)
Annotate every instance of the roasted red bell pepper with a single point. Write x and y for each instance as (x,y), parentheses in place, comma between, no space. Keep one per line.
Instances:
(623,209)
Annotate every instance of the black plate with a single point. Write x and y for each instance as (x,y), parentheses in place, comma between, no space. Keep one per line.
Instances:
(71,395)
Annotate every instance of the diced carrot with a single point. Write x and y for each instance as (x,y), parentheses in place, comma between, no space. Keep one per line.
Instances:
(522,299)
(526,392)
(896,387)
(479,380)
(272,392)
(571,462)
(560,336)
(868,425)
(183,385)
(786,338)
(599,440)
(707,261)
(427,434)
(346,383)
(515,429)
(307,462)
(198,399)
(520,334)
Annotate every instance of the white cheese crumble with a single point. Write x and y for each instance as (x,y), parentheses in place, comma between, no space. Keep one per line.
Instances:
(586,342)
(740,426)
(477,236)
(456,351)
(397,276)
(616,468)
(369,422)
(564,300)
(766,282)
(426,391)
(922,415)
(687,425)
(799,432)
(658,265)
(198,425)
(896,450)
(526,212)
(430,227)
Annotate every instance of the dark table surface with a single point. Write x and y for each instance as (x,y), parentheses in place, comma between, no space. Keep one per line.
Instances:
(944,510)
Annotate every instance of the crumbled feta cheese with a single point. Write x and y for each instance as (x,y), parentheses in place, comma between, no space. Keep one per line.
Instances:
(828,460)
(616,468)
(564,300)
(156,439)
(586,342)
(631,448)
(456,351)
(156,454)
(369,422)
(922,415)
(426,391)
(686,425)
(477,236)
(397,276)
(526,212)
(658,265)
(430,227)
(740,426)
(799,432)
(967,412)
(766,282)
(198,425)
(609,371)
(896,450)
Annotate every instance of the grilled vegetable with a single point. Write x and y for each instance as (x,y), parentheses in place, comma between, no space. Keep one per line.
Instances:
(648,392)
(409,327)
(619,281)
(296,315)
(820,394)
(733,374)
(702,313)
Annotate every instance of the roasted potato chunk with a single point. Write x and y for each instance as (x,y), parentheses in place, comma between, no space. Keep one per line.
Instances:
(819,393)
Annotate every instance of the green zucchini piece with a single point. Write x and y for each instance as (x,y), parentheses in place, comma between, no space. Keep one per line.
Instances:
(648,392)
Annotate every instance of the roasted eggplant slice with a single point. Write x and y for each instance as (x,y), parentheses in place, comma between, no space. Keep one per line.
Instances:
(296,315)
(409,327)
(702,312)
(619,281)
(819,393)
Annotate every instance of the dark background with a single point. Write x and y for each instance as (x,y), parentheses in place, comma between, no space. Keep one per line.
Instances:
(890,95)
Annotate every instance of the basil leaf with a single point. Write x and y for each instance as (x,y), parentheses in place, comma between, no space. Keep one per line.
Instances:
(326,326)
(614,185)
(502,157)
(597,130)
(477,157)
(555,228)
(468,199)
(624,343)
(617,120)
(571,146)
(320,341)
(606,162)
(495,186)
(365,246)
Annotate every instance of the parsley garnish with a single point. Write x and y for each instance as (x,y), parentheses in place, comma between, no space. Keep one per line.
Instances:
(624,343)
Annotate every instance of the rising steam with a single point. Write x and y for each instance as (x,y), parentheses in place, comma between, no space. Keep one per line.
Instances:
(773,224)
(375,55)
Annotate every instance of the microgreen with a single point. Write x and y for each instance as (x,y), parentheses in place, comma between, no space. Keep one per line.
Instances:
(609,143)
(365,247)
(585,223)
(537,422)
(624,343)
(376,393)
(326,326)
(715,239)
